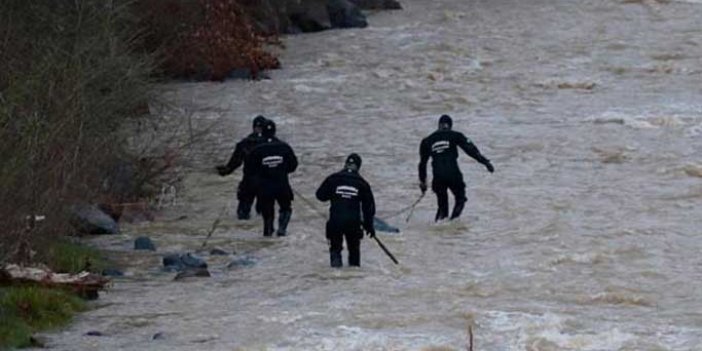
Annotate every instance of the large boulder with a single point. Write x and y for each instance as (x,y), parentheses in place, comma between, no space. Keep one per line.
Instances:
(309,15)
(377,4)
(288,16)
(89,219)
(344,14)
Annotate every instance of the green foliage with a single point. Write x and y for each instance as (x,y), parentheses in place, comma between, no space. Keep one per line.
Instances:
(14,332)
(69,257)
(24,310)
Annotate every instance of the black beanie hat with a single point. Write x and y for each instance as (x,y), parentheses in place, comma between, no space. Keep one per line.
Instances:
(445,119)
(268,128)
(258,121)
(354,159)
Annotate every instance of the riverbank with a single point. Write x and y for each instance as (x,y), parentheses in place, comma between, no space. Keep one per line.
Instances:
(583,239)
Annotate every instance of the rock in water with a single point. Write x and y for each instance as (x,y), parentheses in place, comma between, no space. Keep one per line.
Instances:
(218,252)
(89,219)
(192,261)
(144,243)
(192,272)
(246,261)
(112,272)
(344,14)
(179,262)
(382,226)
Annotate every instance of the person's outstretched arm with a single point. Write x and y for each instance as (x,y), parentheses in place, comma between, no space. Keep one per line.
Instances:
(235,161)
(469,148)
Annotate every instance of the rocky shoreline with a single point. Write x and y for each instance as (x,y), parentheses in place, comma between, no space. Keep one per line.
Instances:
(301,16)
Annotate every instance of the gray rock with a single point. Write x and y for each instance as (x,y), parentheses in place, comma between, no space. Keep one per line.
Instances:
(144,243)
(158,336)
(344,14)
(382,226)
(89,219)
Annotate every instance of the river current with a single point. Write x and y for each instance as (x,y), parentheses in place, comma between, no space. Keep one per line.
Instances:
(587,236)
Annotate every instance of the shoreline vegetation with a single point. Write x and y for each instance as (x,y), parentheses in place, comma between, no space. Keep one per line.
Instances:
(73,76)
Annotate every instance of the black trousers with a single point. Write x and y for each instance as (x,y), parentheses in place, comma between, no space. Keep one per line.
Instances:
(267,202)
(441,186)
(337,232)
(246,194)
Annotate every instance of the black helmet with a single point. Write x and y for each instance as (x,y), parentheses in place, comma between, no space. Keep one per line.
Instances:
(258,121)
(445,122)
(268,128)
(354,160)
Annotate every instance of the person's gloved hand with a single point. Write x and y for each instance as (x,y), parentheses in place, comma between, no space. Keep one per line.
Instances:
(370,231)
(489,167)
(423,187)
(222,170)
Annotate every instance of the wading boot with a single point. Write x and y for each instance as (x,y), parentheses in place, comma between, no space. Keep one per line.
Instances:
(458,208)
(268,227)
(283,220)
(243,211)
(440,214)
(355,257)
(335,259)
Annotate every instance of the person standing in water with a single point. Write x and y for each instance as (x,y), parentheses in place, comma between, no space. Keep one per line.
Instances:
(270,163)
(442,147)
(246,193)
(350,196)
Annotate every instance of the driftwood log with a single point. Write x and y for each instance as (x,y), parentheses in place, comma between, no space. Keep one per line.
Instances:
(85,284)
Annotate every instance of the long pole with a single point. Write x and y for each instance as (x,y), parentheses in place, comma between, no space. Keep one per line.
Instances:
(387,252)
(413,206)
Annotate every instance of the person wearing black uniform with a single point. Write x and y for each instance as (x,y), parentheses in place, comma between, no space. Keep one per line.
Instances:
(245,192)
(350,196)
(269,164)
(441,147)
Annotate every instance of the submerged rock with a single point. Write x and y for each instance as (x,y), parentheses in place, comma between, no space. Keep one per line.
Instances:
(382,226)
(144,243)
(192,272)
(94,333)
(89,219)
(218,252)
(245,261)
(181,262)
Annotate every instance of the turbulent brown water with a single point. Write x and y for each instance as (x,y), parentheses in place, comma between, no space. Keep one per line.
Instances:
(587,237)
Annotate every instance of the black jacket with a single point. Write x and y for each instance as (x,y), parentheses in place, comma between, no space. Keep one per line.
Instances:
(241,151)
(441,146)
(349,194)
(270,162)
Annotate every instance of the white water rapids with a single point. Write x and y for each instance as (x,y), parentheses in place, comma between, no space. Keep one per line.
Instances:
(587,236)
